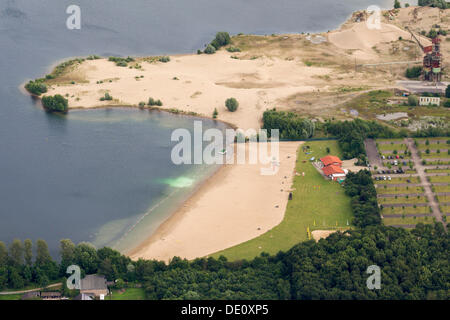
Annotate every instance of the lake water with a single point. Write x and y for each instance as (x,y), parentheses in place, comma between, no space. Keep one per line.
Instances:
(92,175)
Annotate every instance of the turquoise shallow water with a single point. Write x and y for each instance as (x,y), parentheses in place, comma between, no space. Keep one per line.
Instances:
(92,175)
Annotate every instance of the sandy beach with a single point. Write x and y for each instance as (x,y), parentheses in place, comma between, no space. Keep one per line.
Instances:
(235,205)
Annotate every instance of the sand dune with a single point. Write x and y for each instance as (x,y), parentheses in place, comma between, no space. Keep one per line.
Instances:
(204,83)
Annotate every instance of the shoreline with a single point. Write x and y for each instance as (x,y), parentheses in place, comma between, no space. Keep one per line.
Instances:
(224,211)
(176,215)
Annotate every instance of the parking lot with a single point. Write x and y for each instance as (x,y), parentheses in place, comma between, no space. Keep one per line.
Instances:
(409,189)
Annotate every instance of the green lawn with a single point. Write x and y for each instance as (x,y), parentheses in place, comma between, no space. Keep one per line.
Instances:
(406,210)
(442,154)
(398,190)
(129,294)
(436,162)
(445,209)
(433,146)
(439,189)
(407,220)
(10,297)
(392,146)
(413,199)
(437,170)
(443,199)
(439,179)
(317,203)
(398,180)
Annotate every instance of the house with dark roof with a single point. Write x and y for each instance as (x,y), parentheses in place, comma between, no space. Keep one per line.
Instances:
(93,286)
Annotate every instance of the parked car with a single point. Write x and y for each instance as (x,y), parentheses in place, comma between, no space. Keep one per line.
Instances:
(389,178)
(384,177)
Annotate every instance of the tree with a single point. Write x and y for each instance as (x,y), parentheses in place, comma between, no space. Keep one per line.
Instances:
(57,103)
(412,100)
(28,251)
(36,87)
(215,113)
(42,254)
(413,72)
(447,91)
(67,253)
(232,104)
(221,39)
(86,257)
(3,254)
(16,253)
(397,4)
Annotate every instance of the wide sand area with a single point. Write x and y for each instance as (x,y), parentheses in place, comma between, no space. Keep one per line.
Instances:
(235,205)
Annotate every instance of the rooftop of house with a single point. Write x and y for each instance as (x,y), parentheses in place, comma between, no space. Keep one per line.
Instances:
(327,160)
(93,282)
(331,169)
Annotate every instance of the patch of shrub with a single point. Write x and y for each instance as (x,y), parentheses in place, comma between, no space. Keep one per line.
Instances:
(121,62)
(106,97)
(413,72)
(36,87)
(153,102)
(164,59)
(412,100)
(210,49)
(233,49)
(232,104)
(56,103)
(221,39)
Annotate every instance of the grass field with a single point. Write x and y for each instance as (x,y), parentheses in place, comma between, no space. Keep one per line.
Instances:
(129,294)
(407,220)
(406,210)
(386,147)
(431,155)
(437,170)
(445,209)
(441,188)
(10,297)
(413,199)
(315,201)
(398,190)
(398,180)
(443,199)
(439,179)
(433,146)
(436,162)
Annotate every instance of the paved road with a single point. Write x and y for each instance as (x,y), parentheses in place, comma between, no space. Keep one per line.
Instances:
(372,153)
(426,185)
(30,290)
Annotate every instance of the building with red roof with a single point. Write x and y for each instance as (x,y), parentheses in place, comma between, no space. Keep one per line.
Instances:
(331,160)
(332,168)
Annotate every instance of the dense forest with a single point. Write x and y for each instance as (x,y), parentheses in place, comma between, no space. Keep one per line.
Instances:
(414,264)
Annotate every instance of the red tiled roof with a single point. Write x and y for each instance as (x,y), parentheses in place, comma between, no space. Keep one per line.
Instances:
(329,170)
(327,160)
